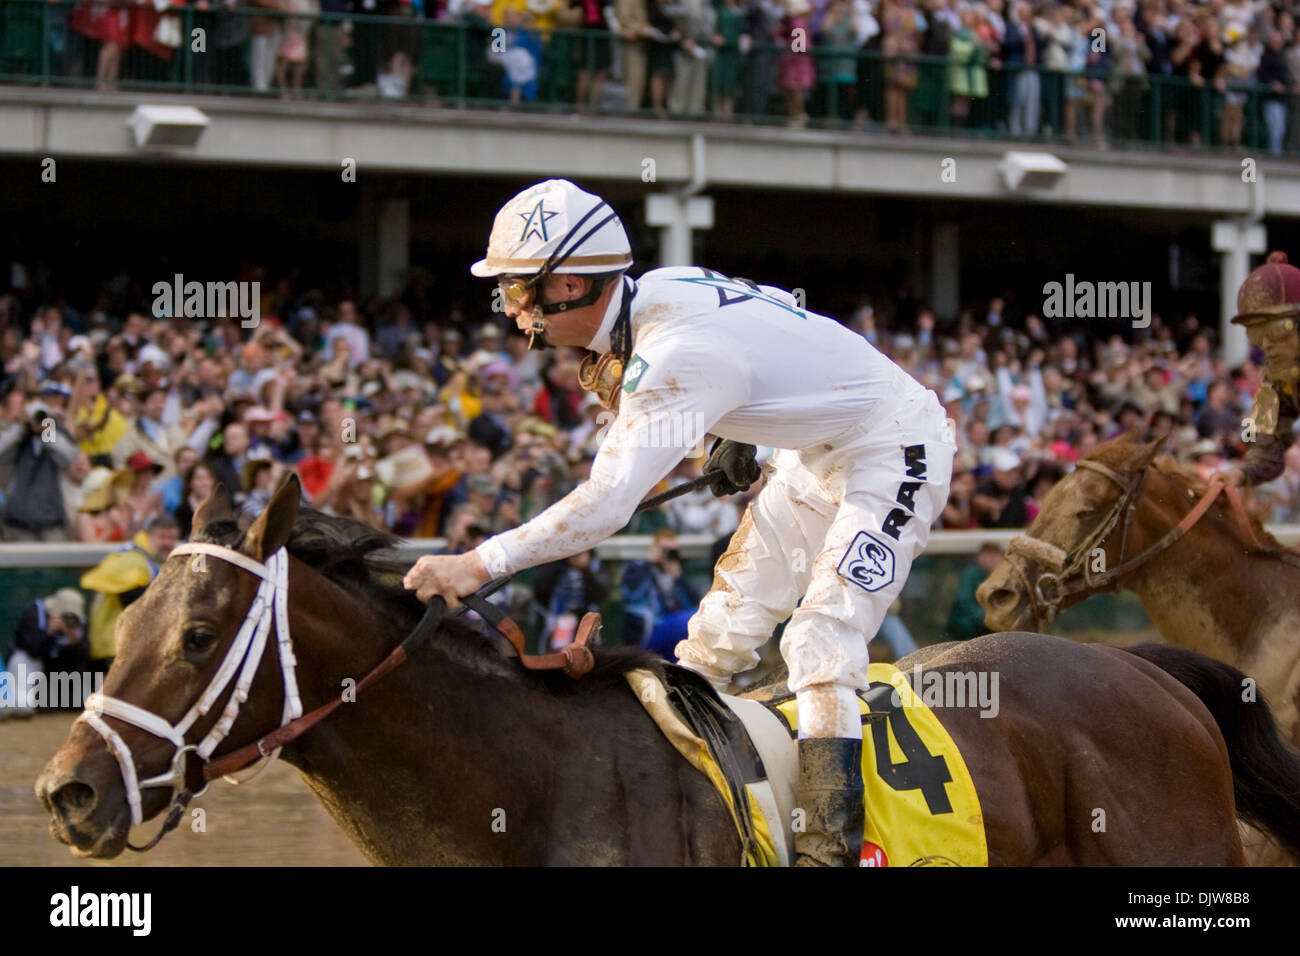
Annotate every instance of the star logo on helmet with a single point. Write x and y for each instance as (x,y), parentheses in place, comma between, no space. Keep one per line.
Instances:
(535,222)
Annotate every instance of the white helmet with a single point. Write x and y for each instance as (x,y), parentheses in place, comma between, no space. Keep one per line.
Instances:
(555,227)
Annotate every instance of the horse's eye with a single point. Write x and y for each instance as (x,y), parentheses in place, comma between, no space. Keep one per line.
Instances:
(198,639)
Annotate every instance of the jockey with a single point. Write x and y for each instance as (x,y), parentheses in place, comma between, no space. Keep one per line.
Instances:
(1268,305)
(863,461)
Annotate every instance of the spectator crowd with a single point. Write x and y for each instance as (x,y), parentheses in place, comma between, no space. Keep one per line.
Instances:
(431,421)
(1174,71)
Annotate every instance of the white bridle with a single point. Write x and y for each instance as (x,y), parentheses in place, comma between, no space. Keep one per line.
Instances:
(269,605)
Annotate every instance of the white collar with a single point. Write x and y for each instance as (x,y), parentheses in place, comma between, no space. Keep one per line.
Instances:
(600,343)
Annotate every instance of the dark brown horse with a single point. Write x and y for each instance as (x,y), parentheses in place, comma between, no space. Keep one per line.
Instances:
(461,756)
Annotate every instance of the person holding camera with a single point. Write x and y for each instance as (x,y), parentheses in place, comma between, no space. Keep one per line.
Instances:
(657,599)
(48,639)
(40,449)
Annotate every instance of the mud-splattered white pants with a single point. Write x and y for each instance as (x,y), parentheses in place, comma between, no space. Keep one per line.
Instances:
(838,525)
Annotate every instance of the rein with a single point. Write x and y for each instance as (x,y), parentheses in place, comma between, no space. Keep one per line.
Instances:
(1066,569)
(270,606)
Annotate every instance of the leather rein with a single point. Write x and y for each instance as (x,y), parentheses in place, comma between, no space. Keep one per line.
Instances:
(270,608)
(1070,574)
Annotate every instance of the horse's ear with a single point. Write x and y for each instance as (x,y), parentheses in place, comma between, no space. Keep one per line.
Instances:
(1147,453)
(270,531)
(215,507)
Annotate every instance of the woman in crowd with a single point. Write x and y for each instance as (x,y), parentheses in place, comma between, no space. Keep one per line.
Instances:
(899,44)
(797,73)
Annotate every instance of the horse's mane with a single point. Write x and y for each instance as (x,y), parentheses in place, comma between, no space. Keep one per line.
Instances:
(1118,454)
(352,555)
(1187,476)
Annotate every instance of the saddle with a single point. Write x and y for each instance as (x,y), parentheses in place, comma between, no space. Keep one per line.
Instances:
(713,739)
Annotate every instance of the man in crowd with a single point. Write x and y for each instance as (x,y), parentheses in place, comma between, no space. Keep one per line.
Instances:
(120,579)
(40,450)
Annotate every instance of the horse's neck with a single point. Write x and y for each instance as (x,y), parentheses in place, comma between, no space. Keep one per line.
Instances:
(394,767)
(439,763)
(1204,593)
(1194,590)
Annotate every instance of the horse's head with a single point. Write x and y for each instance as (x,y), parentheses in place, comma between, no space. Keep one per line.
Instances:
(171,645)
(1079,532)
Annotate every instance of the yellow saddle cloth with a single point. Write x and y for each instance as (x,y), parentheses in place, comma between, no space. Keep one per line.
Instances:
(922,808)
(921,804)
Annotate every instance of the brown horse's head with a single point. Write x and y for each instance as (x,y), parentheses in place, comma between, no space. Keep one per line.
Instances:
(170,643)
(1078,516)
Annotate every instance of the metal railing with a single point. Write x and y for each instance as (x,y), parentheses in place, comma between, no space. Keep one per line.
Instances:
(622,547)
(350,57)
(31,570)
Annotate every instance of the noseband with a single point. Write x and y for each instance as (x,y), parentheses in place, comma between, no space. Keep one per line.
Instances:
(269,606)
(1070,573)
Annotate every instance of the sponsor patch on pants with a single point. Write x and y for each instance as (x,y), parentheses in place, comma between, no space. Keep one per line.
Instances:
(868,563)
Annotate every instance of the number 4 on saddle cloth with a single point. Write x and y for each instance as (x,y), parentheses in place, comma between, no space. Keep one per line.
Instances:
(921,804)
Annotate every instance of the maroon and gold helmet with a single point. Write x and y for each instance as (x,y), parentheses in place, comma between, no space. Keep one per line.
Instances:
(1268,305)
(1270,292)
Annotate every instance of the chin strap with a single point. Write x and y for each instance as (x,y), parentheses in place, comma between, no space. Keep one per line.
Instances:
(537,331)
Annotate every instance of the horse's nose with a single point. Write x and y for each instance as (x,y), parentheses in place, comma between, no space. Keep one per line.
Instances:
(72,799)
(997,598)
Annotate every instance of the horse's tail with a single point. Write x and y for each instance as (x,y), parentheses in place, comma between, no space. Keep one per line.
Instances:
(1265,771)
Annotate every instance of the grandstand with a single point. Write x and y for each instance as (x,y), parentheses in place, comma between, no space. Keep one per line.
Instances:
(369,182)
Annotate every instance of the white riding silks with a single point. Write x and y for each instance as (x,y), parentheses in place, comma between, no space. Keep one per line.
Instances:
(828,543)
(270,606)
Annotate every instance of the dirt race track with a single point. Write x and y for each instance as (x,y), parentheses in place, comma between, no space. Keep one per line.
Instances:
(274,821)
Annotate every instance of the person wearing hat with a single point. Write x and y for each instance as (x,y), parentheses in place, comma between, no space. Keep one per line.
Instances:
(393,437)
(50,638)
(860,472)
(140,500)
(1207,458)
(421,483)
(1002,501)
(100,517)
(1268,305)
(120,579)
(490,340)
(355,496)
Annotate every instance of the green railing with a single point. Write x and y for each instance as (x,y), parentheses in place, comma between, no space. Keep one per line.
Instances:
(359,57)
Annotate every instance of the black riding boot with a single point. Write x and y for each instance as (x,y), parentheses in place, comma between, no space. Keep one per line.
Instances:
(831,796)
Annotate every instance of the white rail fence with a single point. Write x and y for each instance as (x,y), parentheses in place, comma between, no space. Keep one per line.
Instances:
(619,548)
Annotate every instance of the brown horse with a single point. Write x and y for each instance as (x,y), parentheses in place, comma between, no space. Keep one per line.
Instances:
(1212,590)
(461,756)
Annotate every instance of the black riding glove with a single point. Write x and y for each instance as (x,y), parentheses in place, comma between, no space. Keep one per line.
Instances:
(734,465)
